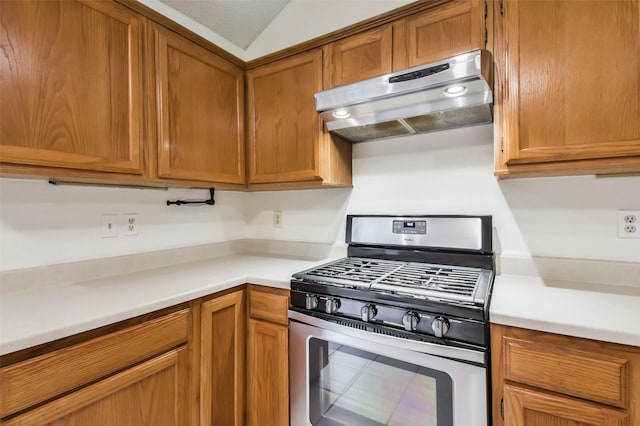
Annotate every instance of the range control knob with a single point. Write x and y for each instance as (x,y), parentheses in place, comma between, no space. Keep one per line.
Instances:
(368,312)
(440,326)
(410,321)
(332,305)
(311,302)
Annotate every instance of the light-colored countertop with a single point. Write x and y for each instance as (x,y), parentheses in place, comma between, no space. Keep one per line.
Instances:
(47,304)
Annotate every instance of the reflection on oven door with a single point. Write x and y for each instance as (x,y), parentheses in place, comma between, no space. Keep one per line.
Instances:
(338,380)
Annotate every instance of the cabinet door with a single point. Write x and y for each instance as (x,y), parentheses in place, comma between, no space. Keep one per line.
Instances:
(268,374)
(284,127)
(358,57)
(200,110)
(222,362)
(531,408)
(71,85)
(570,74)
(152,393)
(455,27)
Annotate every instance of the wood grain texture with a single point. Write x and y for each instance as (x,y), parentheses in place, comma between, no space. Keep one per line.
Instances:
(287,144)
(532,408)
(575,369)
(222,360)
(268,374)
(595,377)
(72,89)
(284,127)
(557,105)
(269,304)
(438,33)
(150,394)
(39,379)
(359,57)
(200,112)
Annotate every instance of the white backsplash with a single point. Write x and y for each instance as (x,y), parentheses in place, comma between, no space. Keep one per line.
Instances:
(434,173)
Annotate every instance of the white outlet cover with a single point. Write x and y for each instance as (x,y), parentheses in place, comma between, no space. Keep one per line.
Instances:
(109,225)
(622,223)
(130,224)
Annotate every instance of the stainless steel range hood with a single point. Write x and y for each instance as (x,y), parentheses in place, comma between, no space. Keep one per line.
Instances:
(450,93)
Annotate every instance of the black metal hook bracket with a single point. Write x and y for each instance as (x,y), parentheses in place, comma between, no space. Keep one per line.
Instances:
(209,202)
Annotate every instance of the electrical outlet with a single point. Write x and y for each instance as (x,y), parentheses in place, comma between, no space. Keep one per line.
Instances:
(628,226)
(277,218)
(130,224)
(109,226)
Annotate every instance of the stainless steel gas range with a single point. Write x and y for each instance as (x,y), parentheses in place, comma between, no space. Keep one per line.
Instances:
(397,333)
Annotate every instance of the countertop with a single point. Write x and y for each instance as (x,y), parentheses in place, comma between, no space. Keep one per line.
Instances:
(35,311)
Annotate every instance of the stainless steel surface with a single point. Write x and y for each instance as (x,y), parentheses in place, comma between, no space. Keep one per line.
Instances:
(381,107)
(440,326)
(412,279)
(332,305)
(410,321)
(441,232)
(311,302)
(470,386)
(368,312)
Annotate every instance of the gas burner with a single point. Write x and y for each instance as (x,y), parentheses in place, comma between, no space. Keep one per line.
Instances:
(407,273)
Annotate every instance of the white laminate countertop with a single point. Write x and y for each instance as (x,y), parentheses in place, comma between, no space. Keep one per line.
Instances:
(559,296)
(40,314)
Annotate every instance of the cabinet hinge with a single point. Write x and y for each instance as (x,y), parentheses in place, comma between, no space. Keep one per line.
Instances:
(486,36)
(501,7)
(486,10)
(502,408)
(502,144)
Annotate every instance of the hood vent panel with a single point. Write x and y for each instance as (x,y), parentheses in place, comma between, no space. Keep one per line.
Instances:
(451,93)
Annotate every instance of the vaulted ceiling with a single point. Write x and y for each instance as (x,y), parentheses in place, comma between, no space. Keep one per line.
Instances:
(238,21)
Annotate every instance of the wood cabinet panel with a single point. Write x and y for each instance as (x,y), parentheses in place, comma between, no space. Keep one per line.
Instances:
(359,57)
(222,362)
(268,374)
(287,145)
(455,27)
(566,371)
(200,112)
(532,408)
(30,382)
(71,84)
(561,107)
(269,304)
(152,394)
(550,379)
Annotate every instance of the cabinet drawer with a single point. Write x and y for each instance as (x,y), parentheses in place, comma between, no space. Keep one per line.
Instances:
(596,377)
(269,305)
(39,379)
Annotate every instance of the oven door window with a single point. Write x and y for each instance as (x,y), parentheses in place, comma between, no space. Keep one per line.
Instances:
(352,387)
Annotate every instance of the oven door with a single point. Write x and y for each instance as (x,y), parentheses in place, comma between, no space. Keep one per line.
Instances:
(340,376)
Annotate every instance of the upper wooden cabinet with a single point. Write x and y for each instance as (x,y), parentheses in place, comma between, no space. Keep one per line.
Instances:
(542,379)
(71,85)
(455,27)
(436,33)
(358,57)
(200,112)
(287,144)
(568,92)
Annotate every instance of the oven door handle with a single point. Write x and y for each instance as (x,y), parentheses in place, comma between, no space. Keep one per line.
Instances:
(452,352)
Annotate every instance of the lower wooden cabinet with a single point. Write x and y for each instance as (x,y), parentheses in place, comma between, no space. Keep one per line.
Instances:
(185,365)
(152,393)
(222,360)
(268,358)
(544,379)
(134,376)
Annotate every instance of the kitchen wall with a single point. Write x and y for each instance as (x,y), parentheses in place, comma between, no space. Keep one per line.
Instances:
(42,224)
(452,172)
